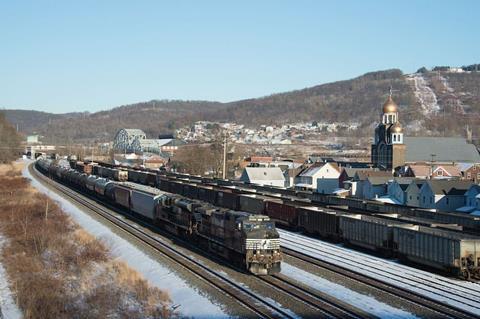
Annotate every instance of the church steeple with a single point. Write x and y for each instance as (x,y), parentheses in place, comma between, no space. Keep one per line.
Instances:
(390,111)
(388,150)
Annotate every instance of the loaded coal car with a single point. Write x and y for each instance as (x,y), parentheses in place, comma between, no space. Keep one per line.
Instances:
(252,203)
(469,222)
(207,194)
(283,212)
(227,198)
(322,222)
(453,252)
(369,232)
(420,221)
(142,177)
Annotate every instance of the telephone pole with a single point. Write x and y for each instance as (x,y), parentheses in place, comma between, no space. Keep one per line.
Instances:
(224,172)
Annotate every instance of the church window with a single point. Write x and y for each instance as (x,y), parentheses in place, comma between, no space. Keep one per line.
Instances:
(394,137)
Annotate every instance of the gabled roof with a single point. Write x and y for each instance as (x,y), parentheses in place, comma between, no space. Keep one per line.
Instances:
(449,187)
(451,170)
(464,166)
(420,170)
(312,169)
(446,149)
(378,180)
(263,173)
(364,174)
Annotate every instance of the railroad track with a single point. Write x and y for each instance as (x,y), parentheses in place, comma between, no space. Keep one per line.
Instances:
(423,300)
(325,305)
(444,310)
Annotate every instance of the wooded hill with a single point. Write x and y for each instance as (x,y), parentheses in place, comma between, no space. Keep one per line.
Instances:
(355,100)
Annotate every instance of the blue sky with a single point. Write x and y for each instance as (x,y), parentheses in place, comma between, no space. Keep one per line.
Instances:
(63,56)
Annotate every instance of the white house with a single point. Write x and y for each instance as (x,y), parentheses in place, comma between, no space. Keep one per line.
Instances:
(328,178)
(397,190)
(309,177)
(272,176)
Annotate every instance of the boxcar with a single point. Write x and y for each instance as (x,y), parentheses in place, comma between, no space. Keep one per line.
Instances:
(319,221)
(122,195)
(368,232)
(282,212)
(453,252)
(143,200)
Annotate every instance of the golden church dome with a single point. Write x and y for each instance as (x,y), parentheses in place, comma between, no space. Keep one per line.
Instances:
(390,106)
(396,128)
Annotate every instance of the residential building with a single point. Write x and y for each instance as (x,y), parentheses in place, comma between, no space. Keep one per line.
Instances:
(470,199)
(444,195)
(360,178)
(375,187)
(328,179)
(307,179)
(271,176)
(397,190)
(412,193)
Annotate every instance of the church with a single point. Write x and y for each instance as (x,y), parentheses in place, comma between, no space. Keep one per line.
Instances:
(392,150)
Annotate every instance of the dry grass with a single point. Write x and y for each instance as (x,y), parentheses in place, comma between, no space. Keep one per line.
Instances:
(58,270)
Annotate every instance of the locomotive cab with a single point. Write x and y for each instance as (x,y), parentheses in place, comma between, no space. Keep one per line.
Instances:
(262,244)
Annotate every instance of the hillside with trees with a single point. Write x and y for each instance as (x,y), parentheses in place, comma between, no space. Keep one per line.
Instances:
(9,141)
(355,100)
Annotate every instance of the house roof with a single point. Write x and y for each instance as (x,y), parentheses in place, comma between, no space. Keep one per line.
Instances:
(350,171)
(364,174)
(449,187)
(264,173)
(450,169)
(420,170)
(464,166)
(446,149)
(379,180)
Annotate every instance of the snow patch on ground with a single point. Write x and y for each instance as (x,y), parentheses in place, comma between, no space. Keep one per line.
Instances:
(8,306)
(191,302)
(364,302)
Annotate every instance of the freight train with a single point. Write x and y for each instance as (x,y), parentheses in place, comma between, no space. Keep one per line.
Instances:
(246,240)
(430,239)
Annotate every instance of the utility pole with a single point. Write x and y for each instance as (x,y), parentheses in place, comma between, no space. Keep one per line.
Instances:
(93,147)
(224,173)
(431,165)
